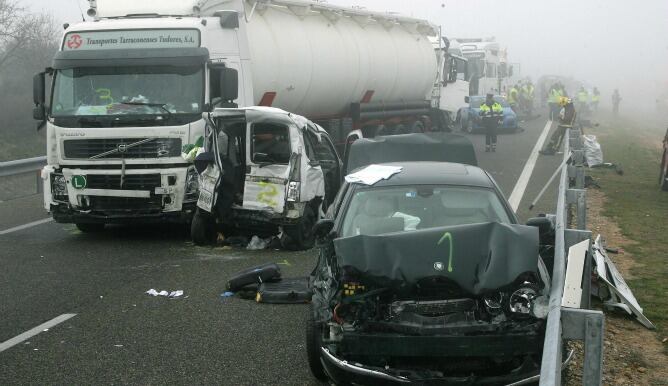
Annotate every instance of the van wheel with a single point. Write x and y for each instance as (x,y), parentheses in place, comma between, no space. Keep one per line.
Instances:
(313,339)
(202,228)
(300,237)
(90,227)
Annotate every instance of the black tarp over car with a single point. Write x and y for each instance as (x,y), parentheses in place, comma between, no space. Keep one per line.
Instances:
(479,258)
(435,147)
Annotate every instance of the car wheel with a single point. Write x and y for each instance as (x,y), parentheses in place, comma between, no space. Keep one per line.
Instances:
(202,228)
(90,227)
(469,127)
(300,237)
(313,339)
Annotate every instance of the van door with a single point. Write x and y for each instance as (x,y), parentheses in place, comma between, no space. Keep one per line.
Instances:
(325,155)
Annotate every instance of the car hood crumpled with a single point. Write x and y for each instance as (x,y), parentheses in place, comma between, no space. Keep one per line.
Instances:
(479,258)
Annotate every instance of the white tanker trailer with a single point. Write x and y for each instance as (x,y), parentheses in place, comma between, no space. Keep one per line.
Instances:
(129,90)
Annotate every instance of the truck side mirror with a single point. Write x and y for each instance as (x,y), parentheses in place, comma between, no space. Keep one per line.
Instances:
(229,84)
(466,99)
(39,89)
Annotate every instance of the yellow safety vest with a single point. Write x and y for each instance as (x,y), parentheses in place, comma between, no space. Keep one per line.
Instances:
(512,95)
(496,109)
(583,97)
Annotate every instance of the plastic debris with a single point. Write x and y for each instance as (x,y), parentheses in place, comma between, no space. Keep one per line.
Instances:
(227,294)
(172,294)
(373,173)
(593,152)
(256,243)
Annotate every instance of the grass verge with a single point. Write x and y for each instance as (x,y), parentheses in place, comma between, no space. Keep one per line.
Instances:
(637,204)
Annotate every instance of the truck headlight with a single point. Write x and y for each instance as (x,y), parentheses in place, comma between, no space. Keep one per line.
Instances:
(58,187)
(293,191)
(192,184)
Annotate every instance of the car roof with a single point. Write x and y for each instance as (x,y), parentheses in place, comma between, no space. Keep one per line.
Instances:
(437,173)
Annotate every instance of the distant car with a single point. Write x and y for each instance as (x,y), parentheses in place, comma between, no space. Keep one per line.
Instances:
(425,277)
(470,120)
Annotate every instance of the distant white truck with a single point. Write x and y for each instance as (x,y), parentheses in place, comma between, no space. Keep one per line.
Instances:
(130,90)
(489,71)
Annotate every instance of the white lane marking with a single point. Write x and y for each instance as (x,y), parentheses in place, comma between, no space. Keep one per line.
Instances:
(523,181)
(34,331)
(25,226)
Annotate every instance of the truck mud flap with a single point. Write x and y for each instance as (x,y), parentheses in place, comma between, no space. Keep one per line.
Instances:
(287,291)
(255,275)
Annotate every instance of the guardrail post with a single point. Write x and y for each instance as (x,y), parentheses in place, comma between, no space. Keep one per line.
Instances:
(586,325)
(578,197)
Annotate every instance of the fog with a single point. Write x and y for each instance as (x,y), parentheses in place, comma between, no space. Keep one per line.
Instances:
(605,43)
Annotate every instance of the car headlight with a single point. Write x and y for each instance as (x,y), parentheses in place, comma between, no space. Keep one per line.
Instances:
(520,302)
(494,302)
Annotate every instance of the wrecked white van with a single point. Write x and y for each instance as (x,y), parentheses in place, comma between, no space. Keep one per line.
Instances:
(264,171)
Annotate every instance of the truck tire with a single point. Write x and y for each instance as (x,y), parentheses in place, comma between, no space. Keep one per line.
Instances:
(202,228)
(313,339)
(300,237)
(90,227)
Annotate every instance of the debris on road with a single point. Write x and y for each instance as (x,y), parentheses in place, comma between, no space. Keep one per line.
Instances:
(612,289)
(286,291)
(254,275)
(257,243)
(372,174)
(171,295)
(227,294)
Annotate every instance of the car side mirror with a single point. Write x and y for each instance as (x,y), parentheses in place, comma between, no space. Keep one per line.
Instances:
(466,99)
(543,224)
(203,160)
(323,228)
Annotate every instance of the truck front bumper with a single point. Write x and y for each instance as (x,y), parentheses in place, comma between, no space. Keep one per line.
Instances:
(119,196)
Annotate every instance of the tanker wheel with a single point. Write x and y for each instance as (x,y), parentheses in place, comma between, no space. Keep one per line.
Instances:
(202,228)
(300,237)
(90,227)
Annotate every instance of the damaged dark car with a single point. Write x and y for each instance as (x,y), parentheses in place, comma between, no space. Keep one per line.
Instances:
(426,277)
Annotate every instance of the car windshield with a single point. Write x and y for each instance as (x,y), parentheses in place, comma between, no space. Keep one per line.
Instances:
(377,211)
(477,102)
(146,90)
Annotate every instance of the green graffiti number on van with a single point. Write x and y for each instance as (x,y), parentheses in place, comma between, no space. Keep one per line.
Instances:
(447,236)
(267,195)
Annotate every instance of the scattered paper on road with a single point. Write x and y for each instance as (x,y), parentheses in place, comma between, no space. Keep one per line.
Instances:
(172,294)
(373,173)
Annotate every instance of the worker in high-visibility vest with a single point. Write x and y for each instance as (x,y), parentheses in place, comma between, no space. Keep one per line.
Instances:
(491,113)
(567,117)
(595,98)
(514,97)
(553,100)
(583,100)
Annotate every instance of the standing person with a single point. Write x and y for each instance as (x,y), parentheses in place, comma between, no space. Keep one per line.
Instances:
(615,102)
(491,113)
(595,99)
(566,119)
(513,97)
(553,100)
(583,100)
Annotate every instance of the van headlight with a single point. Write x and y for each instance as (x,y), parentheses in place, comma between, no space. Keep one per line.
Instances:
(293,191)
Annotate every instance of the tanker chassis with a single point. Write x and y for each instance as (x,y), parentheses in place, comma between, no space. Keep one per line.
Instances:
(130,92)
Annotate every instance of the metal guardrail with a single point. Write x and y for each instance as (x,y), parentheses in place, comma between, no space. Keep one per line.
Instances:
(24,166)
(571,323)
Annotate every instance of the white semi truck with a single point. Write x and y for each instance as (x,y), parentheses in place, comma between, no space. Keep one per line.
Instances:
(129,91)
(489,71)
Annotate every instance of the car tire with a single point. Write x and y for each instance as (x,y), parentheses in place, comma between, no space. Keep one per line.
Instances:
(300,237)
(469,127)
(202,228)
(313,339)
(90,227)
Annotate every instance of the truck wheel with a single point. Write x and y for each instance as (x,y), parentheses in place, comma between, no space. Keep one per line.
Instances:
(90,227)
(313,339)
(300,237)
(202,228)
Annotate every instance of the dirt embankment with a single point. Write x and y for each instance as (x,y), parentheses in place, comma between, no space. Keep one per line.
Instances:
(633,355)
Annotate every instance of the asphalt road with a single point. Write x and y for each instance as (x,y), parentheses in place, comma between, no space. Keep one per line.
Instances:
(120,335)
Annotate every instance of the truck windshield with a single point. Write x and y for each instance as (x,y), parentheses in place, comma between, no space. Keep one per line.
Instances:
(114,91)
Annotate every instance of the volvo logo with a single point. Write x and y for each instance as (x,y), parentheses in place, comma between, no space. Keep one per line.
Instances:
(438,266)
(122,148)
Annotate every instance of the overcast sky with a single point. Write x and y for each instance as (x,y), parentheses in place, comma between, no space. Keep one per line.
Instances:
(609,43)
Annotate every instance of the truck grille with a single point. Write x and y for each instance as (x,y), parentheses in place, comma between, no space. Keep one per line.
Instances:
(130,181)
(156,148)
(124,204)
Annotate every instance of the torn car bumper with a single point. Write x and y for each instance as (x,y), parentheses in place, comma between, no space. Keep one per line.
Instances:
(342,371)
